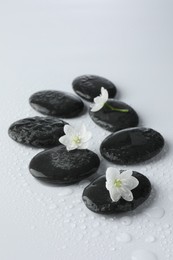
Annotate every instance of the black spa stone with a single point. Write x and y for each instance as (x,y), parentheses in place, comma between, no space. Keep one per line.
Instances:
(58,166)
(114,120)
(57,103)
(97,198)
(42,132)
(89,86)
(131,146)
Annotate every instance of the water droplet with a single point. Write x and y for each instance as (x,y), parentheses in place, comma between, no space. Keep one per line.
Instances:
(168,232)
(150,239)
(166,225)
(143,255)
(24,184)
(83,227)
(52,206)
(96,233)
(156,212)
(66,220)
(126,221)
(123,237)
(33,227)
(65,192)
(96,224)
(73,225)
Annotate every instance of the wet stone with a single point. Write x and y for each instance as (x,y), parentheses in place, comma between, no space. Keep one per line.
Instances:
(57,103)
(41,132)
(133,145)
(60,166)
(89,86)
(97,198)
(114,120)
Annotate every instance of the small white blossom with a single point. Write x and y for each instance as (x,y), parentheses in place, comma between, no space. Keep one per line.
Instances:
(120,184)
(100,100)
(75,138)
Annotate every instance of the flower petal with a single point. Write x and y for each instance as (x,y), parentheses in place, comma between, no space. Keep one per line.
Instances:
(84,134)
(64,140)
(126,174)
(97,107)
(112,174)
(104,94)
(115,194)
(126,194)
(83,146)
(98,100)
(109,185)
(87,137)
(131,183)
(69,130)
(82,130)
(71,147)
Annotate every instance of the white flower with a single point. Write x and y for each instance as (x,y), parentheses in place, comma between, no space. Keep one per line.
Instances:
(100,100)
(120,184)
(75,138)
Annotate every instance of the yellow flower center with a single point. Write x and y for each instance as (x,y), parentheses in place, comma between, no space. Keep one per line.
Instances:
(76,139)
(118,183)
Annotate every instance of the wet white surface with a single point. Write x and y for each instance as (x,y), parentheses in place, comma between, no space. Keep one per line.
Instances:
(45,45)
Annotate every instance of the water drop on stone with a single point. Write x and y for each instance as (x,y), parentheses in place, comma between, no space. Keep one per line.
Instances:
(143,255)
(124,237)
(156,212)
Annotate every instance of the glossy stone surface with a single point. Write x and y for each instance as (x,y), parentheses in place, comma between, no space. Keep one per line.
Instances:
(57,103)
(89,86)
(113,120)
(42,132)
(59,166)
(97,198)
(133,145)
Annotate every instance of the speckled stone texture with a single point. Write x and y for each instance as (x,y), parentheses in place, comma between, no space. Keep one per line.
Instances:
(57,103)
(59,166)
(89,86)
(133,145)
(97,198)
(41,132)
(113,120)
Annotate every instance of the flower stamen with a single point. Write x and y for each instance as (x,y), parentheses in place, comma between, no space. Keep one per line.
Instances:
(76,139)
(118,183)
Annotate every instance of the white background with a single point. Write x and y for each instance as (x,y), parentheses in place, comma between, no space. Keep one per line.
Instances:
(45,45)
